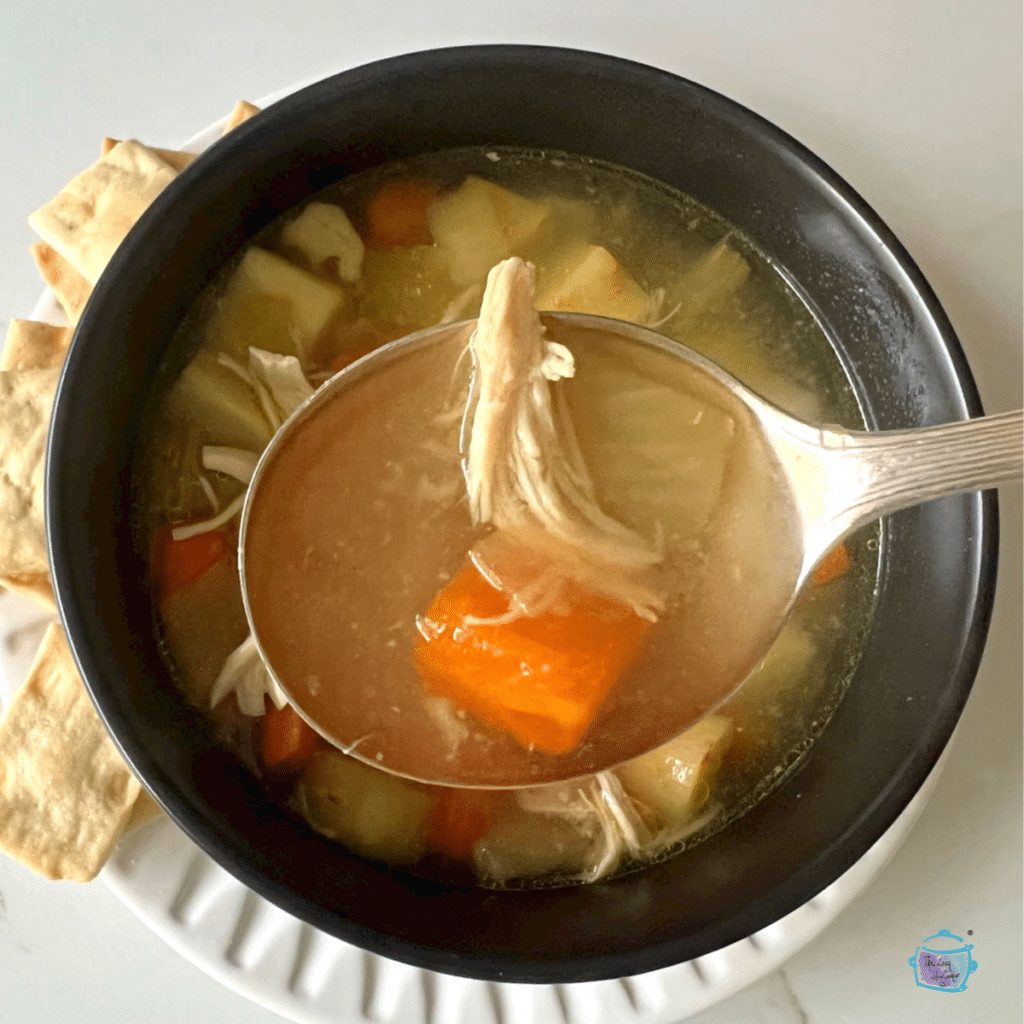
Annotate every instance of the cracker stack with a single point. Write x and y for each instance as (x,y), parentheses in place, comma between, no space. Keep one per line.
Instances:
(66,794)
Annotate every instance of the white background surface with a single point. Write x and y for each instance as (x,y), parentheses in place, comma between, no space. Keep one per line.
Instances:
(917,103)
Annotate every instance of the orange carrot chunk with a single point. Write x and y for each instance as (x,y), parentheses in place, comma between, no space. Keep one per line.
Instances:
(458,819)
(833,565)
(539,678)
(396,214)
(177,563)
(287,741)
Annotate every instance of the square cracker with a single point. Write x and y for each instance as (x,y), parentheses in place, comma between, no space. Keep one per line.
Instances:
(241,111)
(144,810)
(90,216)
(176,158)
(35,586)
(65,792)
(26,400)
(67,284)
(33,345)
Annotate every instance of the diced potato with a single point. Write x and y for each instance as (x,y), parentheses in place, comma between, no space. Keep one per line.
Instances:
(588,279)
(676,779)
(481,224)
(785,663)
(220,403)
(314,300)
(203,623)
(322,232)
(274,305)
(522,845)
(790,676)
(371,812)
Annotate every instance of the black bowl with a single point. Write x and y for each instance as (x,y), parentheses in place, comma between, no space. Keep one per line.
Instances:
(939,560)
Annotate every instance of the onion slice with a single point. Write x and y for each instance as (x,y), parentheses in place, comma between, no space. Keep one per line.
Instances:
(245,675)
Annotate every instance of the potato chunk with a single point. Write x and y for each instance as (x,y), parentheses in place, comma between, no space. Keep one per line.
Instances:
(521,845)
(371,812)
(322,232)
(220,403)
(481,224)
(274,305)
(791,676)
(588,279)
(203,623)
(675,780)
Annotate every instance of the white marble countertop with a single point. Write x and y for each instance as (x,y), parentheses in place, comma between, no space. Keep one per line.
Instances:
(917,103)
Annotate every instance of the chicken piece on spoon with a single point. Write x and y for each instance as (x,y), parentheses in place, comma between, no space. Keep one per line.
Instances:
(557,601)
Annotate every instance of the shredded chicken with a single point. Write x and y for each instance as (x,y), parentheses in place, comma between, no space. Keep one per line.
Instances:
(281,388)
(599,807)
(279,385)
(524,471)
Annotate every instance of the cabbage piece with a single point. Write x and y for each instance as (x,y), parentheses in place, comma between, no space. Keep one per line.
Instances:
(665,448)
(233,462)
(223,517)
(524,471)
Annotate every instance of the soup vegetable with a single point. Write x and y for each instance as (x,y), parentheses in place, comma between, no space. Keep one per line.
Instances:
(404,247)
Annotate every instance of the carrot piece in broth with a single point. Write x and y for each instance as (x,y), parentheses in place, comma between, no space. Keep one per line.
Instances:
(832,566)
(539,678)
(396,214)
(287,742)
(458,819)
(177,563)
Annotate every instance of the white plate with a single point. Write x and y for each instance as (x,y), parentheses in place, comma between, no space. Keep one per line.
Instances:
(274,959)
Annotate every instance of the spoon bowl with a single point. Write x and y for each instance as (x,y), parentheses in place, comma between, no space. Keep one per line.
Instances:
(823,484)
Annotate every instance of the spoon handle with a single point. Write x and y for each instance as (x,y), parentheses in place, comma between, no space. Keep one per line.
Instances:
(908,467)
(843,480)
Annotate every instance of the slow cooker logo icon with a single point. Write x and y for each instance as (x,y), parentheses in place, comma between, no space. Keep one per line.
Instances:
(942,962)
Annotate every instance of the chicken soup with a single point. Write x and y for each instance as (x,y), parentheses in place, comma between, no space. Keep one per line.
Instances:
(410,245)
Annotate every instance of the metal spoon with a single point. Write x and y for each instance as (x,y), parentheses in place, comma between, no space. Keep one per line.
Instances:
(833,481)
